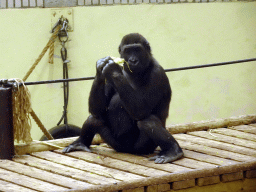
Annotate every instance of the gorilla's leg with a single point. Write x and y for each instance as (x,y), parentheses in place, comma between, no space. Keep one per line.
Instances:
(89,129)
(144,144)
(154,129)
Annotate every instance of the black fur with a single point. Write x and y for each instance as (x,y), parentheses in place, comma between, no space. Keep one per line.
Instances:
(129,105)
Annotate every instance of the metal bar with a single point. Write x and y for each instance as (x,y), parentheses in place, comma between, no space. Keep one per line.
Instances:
(166,70)
(59,81)
(210,65)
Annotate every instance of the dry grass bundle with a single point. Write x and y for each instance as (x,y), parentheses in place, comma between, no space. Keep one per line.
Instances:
(21,109)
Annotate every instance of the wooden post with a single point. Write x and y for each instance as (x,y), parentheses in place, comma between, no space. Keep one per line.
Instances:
(6,124)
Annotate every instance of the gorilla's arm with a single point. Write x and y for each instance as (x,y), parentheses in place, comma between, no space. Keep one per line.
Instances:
(100,93)
(97,100)
(139,95)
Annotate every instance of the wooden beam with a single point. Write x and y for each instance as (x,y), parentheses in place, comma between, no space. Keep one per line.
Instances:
(37,146)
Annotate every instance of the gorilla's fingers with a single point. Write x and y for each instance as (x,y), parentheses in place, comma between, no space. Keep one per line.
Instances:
(153,158)
(82,148)
(160,160)
(101,63)
(111,62)
(67,149)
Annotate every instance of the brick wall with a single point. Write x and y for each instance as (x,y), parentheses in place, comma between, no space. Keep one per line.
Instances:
(73,3)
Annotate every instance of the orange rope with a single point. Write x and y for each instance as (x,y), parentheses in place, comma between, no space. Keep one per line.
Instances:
(54,35)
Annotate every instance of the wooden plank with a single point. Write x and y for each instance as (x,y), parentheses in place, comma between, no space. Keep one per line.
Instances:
(6,186)
(173,177)
(246,185)
(86,166)
(234,133)
(215,152)
(208,180)
(152,188)
(28,182)
(37,146)
(65,170)
(163,187)
(224,138)
(43,175)
(191,163)
(211,124)
(216,144)
(183,184)
(158,188)
(207,158)
(245,128)
(136,159)
(141,189)
(250,174)
(185,162)
(116,164)
(254,125)
(232,176)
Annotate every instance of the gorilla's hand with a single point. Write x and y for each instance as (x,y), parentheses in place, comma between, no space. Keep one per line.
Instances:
(100,64)
(111,69)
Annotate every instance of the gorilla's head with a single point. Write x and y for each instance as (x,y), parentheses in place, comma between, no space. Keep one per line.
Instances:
(135,49)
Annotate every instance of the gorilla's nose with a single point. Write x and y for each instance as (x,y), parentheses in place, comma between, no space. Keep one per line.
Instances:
(133,61)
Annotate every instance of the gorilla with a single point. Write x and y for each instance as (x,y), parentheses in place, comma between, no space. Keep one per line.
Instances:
(129,104)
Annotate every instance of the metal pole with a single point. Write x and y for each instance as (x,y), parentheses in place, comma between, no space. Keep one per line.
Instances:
(6,124)
(7,83)
(210,65)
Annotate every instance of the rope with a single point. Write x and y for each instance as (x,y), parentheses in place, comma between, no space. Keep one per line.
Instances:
(22,126)
(54,35)
(51,52)
(40,125)
(21,108)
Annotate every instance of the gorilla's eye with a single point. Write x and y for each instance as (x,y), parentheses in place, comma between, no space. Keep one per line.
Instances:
(127,51)
(137,49)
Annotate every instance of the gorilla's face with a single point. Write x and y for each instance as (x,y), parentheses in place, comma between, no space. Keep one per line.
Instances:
(135,49)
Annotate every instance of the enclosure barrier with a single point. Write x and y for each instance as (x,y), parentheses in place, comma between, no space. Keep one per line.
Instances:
(6,123)
(4,4)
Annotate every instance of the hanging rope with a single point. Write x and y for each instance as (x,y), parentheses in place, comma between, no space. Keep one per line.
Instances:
(53,37)
(51,52)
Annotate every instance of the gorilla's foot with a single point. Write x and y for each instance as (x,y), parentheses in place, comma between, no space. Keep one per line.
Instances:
(76,147)
(166,157)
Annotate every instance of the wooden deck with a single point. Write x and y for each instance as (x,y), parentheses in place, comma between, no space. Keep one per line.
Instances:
(221,159)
